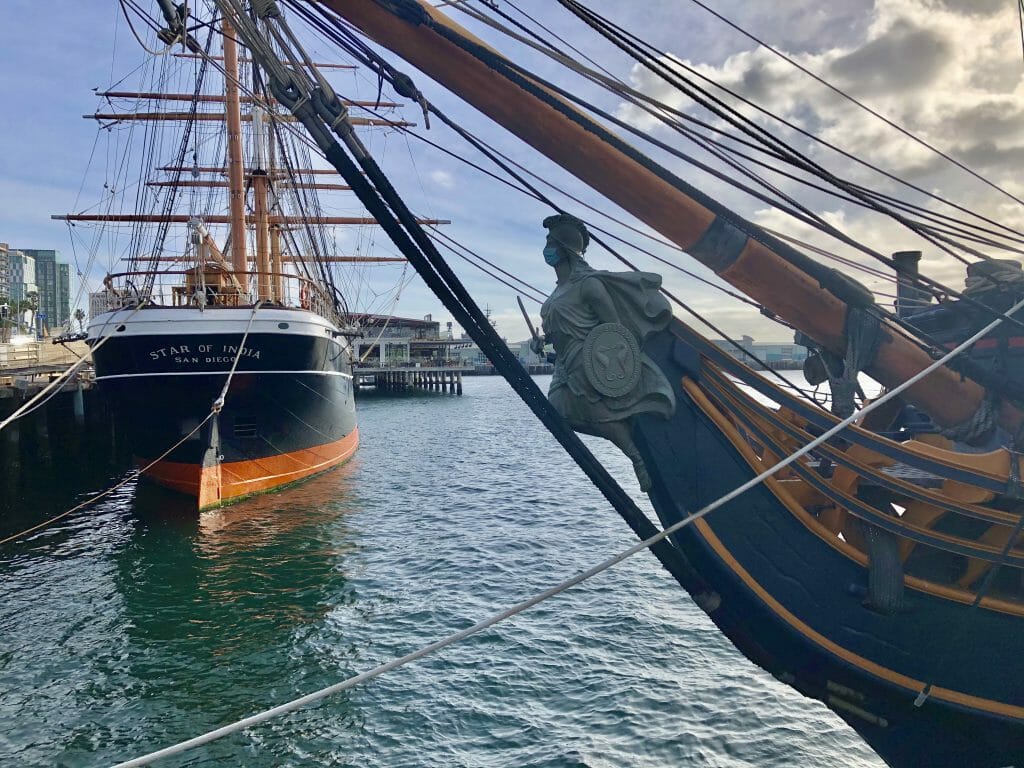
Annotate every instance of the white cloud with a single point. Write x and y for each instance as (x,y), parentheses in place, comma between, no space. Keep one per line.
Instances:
(949,72)
(442,179)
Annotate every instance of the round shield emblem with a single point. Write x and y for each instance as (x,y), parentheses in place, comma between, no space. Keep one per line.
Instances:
(611,359)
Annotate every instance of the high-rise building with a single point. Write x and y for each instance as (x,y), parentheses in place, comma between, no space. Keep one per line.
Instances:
(21,275)
(5,272)
(54,281)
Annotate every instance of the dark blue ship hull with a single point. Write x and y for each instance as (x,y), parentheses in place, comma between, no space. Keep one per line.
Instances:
(793,602)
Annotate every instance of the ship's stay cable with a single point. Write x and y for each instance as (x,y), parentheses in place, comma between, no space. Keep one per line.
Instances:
(457,248)
(860,104)
(660,111)
(215,408)
(606,564)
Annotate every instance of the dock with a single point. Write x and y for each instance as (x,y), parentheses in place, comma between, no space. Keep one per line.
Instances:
(66,442)
(401,378)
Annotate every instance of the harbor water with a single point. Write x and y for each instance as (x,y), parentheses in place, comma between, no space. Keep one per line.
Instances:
(130,625)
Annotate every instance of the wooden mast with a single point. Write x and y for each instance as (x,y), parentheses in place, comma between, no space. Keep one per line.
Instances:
(684,217)
(236,173)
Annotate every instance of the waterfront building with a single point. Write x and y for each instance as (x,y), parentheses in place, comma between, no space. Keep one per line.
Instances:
(775,354)
(389,341)
(53,279)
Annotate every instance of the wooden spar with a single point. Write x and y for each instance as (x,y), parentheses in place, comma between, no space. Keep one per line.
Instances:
(291,259)
(114,117)
(236,174)
(684,217)
(223,170)
(201,184)
(210,98)
(178,218)
(249,61)
(261,220)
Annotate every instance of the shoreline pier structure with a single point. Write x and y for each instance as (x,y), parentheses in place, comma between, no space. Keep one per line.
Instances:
(65,433)
(398,354)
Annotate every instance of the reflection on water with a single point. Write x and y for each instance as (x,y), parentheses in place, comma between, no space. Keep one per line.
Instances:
(169,618)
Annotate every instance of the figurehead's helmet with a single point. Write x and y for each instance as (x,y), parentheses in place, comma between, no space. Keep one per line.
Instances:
(568,231)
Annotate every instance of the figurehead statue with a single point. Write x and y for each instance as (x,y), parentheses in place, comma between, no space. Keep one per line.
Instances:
(597,322)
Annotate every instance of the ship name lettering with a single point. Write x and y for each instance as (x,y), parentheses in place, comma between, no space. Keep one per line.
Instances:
(246,351)
(156,354)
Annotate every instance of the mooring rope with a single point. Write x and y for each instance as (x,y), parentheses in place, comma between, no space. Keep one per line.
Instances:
(351,682)
(215,408)
(130,477)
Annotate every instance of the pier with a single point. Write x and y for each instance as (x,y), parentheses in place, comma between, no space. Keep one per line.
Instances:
(441,378)
(62,445)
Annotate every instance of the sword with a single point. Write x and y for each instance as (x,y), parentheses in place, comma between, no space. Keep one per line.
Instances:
(526,317)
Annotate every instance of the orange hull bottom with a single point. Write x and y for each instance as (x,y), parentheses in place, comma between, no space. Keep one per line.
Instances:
(214,486)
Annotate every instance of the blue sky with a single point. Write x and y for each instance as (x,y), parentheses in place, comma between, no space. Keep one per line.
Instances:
(950,71)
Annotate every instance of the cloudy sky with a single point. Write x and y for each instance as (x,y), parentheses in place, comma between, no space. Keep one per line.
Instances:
(948,71)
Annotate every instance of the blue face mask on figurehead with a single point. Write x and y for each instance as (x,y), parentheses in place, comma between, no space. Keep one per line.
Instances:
(551,254)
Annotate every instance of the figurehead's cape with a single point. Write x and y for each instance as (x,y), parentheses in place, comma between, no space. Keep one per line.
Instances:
(637,298)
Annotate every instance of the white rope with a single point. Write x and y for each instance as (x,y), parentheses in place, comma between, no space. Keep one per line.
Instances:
(30,405)
(219,402)
(131,476)
(599,568)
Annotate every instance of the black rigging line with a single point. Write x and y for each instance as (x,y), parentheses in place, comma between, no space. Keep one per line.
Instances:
(631,94)
(522,79)
(536,87)
(860,104)
(468,256)
(459,249)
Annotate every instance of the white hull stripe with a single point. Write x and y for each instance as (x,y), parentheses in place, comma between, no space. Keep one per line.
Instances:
(218,373)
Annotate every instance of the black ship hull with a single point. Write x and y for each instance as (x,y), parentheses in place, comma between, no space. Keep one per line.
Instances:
(932,683)
(288,411)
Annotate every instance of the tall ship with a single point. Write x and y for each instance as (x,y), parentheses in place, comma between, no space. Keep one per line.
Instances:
(864,550)
(224,347)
